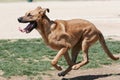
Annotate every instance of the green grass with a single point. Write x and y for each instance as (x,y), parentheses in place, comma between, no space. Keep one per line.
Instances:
(98,57)
(23,57)
(31,56)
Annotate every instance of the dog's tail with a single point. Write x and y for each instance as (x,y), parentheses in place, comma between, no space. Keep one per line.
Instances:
(103,43)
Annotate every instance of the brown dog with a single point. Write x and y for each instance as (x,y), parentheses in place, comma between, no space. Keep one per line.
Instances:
(62,35)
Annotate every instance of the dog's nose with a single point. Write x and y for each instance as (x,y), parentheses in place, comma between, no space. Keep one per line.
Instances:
(20,19)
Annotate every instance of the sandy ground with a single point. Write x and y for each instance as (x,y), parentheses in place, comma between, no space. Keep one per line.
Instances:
(104,14)
(111,72)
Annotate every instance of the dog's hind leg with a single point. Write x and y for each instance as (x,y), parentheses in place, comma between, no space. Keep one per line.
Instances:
(75,52)
(86,43)
(85,48)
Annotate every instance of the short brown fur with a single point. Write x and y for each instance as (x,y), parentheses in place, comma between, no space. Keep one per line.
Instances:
(62,35)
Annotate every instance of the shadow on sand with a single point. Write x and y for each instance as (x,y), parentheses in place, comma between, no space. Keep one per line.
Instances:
(90,77)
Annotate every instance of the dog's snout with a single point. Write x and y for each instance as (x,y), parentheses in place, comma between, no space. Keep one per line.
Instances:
(20,19)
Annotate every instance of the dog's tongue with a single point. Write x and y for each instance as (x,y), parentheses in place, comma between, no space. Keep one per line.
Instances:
(21,30)
(29,27)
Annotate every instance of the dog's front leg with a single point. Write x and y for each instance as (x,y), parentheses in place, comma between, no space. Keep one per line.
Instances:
(58,56)
(69,62)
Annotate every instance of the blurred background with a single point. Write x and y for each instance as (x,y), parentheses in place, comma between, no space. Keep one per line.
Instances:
(105,14)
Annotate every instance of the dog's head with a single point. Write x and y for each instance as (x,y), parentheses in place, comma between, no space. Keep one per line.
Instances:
(32,17)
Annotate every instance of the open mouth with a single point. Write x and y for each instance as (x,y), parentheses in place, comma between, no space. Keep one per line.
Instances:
(29,27)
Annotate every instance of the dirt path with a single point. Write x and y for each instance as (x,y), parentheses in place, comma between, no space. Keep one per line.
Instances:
(110,72)
(106,72)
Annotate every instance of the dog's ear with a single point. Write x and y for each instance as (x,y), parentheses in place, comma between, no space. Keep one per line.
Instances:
(44,11)
(48,10)
(38,8)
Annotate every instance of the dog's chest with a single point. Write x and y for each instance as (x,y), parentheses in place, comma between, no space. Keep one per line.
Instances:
(57,40)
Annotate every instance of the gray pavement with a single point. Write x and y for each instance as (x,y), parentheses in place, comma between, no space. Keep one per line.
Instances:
(104,14)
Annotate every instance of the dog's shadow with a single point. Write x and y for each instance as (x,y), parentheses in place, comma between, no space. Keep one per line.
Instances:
(90,77)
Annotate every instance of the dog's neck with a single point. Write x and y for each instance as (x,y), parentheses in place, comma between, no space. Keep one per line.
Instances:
(44,28)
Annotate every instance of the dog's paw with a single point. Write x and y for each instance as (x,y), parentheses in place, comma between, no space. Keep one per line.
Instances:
(75,67)
(61,74)
(59,68)
(117,58)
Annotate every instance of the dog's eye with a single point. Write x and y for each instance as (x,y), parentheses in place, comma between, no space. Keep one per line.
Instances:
(29,14)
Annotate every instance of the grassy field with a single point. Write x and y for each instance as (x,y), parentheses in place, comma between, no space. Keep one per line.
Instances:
(31,56)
